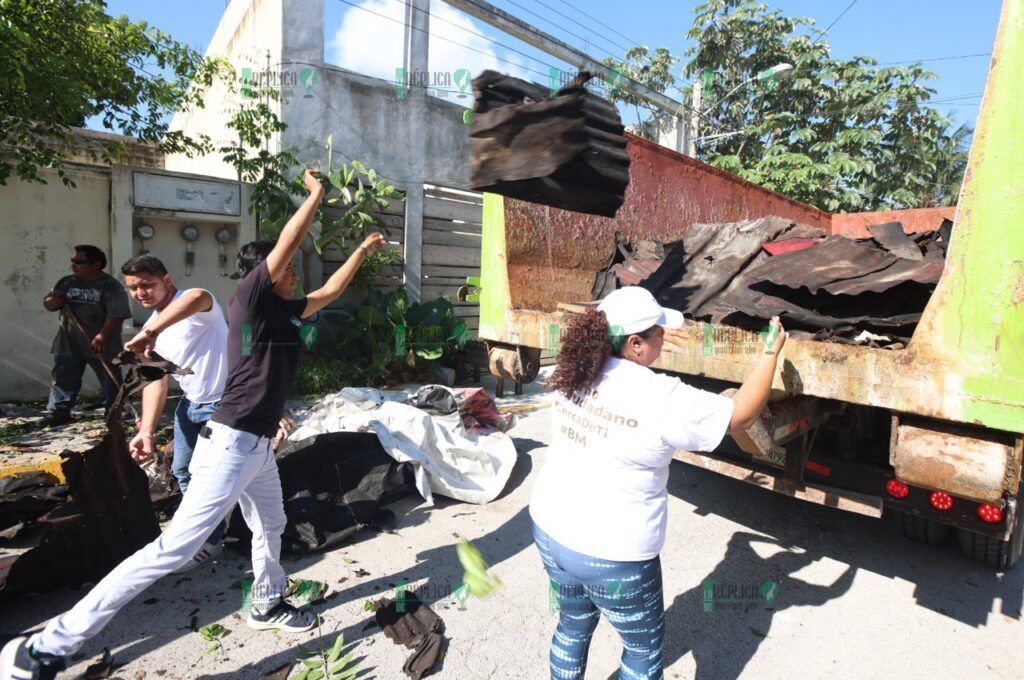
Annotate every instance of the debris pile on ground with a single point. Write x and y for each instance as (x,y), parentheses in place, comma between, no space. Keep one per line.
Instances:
(107,517)
(461,451)
(867,291)
(68,538)
(413,624)
(566,149)
(333,485)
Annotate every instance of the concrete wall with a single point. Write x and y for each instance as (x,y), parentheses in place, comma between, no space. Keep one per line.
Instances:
(364,114)
(368,123)
(40,224)
(249,36)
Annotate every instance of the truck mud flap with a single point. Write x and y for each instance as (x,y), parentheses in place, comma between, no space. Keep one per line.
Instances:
(979,464)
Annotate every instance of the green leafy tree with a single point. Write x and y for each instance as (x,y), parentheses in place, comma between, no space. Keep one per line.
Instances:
(355,194)
(64,61)
(652,68)
(843,134)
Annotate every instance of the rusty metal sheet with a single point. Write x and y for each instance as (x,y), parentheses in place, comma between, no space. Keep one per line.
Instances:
(965,462)
(546,247)
(843,266)
(891,236)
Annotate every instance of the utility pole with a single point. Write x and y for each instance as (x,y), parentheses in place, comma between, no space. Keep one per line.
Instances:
(693,127)
(418,31)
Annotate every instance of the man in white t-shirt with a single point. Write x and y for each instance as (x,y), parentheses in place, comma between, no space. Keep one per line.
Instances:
(190,331)
(600,504)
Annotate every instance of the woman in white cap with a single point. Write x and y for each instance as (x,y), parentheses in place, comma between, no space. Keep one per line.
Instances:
(600,504)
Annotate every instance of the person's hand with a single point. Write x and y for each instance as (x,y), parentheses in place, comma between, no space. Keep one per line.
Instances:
(143,343)
(680,338)
(98,344)
(374,242)
(284,428)
(55,301)
(776,338)
(311,180)
(141,447)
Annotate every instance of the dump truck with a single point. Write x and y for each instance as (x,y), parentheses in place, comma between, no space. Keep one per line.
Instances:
(931,431)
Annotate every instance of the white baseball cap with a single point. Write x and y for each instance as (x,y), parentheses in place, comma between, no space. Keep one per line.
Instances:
(633,309)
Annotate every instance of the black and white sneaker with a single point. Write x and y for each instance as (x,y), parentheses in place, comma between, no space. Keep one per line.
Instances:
(19,662)
(283,617)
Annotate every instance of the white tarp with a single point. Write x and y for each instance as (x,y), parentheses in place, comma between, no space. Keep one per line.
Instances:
(450,460)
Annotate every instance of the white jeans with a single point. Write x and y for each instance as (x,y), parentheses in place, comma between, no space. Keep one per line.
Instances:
(228,467)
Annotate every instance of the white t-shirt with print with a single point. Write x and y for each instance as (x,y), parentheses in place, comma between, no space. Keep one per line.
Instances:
(602,491)
(199,342)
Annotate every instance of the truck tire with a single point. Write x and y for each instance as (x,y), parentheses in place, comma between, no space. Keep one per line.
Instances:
(993,552)
(996,553)
(924,530)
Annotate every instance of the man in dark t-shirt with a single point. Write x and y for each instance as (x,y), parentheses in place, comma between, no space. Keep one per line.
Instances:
(100,304)
(234,459)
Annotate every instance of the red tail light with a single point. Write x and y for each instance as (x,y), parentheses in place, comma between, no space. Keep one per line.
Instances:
(940,500)
(896,488)
(990,513)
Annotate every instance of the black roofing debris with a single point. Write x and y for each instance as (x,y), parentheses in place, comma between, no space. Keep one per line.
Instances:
(869,291)
(413,624)
(566,149)
(75,534)
(107,517)
(334,484)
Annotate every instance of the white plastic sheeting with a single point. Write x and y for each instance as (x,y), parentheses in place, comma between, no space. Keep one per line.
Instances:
(450,460)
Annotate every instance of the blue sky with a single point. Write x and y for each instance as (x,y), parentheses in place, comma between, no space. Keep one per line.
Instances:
(358,37)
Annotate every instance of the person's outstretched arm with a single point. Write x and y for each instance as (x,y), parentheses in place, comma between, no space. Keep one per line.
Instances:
(339,280)
(187,304)
(296,228)
(154,396)
(750,399)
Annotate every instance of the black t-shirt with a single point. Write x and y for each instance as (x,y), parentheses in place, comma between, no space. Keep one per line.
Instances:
(91,302)
(263,352)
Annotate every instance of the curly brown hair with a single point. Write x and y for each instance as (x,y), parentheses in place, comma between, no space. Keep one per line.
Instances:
(585,348)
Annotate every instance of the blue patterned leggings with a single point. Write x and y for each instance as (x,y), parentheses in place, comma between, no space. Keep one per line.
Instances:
(627,593)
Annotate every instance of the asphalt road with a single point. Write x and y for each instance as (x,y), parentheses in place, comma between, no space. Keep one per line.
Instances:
(852,598)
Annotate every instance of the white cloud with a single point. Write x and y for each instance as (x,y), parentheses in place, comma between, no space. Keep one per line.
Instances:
(371,44)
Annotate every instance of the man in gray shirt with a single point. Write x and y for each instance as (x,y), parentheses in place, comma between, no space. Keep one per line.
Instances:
(100,304)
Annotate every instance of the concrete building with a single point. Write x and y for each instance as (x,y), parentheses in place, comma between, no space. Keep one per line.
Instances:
(41,223)
(406,136)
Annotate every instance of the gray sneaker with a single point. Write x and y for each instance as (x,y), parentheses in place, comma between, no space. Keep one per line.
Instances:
(19,662)
(284,617)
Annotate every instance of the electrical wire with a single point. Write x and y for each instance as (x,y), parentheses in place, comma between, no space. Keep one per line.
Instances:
(834,22)
(479,35)
(533,30)
(562,28)
(598,21)
(919,61)
(454,42)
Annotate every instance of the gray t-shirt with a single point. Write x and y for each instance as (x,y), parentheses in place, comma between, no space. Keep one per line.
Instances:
(91,302)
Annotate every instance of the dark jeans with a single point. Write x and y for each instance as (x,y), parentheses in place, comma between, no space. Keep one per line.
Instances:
(67,381)
(189,419)
(629,596)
